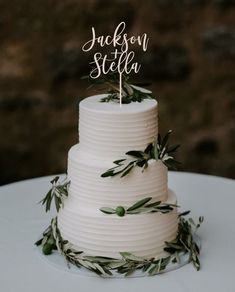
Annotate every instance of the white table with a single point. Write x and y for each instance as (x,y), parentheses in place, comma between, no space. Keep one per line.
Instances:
(22,220)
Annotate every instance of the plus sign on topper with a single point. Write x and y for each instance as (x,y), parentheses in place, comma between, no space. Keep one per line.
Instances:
(121,59)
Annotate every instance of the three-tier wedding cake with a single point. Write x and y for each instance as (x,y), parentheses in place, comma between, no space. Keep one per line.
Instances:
(107,131)
(115,213)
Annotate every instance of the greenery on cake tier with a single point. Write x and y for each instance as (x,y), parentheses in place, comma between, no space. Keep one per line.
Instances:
(58,192)
(130,92)
(184,243)
(158,150)
(140,207)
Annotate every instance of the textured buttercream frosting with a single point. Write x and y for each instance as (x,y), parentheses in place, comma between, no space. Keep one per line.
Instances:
(89,189)
(109,130)
(96,233)
(106,132)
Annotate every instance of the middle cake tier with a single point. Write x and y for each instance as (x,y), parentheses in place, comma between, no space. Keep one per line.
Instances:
(90,190)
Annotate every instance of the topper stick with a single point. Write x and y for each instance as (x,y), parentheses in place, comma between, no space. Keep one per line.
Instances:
(120,88)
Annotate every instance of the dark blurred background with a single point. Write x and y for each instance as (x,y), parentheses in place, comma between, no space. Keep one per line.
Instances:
(190,62)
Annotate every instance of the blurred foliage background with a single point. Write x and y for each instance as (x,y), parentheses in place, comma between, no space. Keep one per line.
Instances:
(190,62)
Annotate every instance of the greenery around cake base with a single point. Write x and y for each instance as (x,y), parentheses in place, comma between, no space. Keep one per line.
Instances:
(184,243)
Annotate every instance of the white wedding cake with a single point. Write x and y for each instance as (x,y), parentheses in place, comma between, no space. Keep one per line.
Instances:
(107,131)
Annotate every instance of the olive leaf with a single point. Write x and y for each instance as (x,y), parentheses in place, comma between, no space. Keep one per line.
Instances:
(107,210)
(127,170)
(137,154)
(139,204)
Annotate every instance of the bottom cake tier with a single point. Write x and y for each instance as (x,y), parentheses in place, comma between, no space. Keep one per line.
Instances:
(99,234)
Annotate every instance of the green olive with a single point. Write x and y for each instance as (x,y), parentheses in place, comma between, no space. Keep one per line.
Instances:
(47,248)
(120,211)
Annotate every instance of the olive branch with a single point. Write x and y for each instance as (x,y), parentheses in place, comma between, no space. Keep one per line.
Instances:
(158,150)
(130,92)
(58,192)
(185,240)
(140,207)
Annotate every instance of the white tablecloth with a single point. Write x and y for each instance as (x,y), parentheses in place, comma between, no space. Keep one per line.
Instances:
(22,220)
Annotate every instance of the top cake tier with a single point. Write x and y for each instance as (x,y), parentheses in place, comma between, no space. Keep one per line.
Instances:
(106,129)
